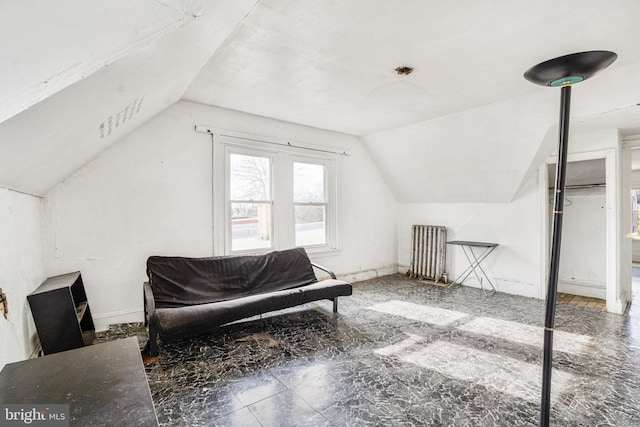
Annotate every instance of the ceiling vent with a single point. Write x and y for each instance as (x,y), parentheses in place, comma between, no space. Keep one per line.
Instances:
(120,117)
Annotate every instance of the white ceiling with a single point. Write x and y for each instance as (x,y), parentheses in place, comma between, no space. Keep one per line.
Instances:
(464,126)
(330,64)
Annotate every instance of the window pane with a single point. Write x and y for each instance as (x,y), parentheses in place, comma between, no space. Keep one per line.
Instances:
(250,226)
(308,183)
(310,225)
(250,177)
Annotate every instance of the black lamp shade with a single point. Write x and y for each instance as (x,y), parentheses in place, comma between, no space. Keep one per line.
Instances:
(570,69)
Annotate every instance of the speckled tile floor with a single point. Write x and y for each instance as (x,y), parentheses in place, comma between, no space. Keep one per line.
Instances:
(402,353)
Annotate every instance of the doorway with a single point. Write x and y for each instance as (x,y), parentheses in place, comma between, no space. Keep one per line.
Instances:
(617,296)
(583,255)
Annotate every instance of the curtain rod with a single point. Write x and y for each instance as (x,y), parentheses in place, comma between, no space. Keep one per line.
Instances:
(575,186)
(204,129)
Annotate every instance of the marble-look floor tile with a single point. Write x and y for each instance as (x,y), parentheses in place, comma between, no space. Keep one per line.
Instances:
(256,388)
(420,312)
(323,392)
(196,405)
(401,353)
(283,410)
(527,334)
(240,418)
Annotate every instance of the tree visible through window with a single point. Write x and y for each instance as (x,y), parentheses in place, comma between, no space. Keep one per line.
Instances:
(250,202)
(268,198)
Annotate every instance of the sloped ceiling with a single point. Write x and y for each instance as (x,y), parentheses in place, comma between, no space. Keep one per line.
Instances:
(82,74)
(464,126)
(50,45)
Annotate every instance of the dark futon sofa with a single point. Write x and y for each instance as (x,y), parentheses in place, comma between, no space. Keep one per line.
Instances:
(189,296)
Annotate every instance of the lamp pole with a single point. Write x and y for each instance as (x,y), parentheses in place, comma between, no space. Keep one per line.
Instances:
(554,265)
(560,72)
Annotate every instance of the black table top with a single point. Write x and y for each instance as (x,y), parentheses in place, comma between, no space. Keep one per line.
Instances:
(104,384)
(468,243)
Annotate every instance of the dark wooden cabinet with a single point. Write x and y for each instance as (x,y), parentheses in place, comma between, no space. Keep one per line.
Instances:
(61,313)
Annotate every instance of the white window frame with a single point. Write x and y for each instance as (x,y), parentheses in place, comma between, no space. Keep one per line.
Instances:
(229,150)
(329,199)
(282,157)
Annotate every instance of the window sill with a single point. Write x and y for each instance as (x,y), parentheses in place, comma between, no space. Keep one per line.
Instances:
(315,251)
(322,251)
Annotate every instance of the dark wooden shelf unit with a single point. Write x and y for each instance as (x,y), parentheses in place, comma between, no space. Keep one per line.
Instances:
(61,313)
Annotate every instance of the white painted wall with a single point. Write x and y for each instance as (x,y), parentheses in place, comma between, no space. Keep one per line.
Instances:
(151,194)
(635,251)
(635,180)
(583,255)
(22,267)
(635,185)
(514,266)
(620,294)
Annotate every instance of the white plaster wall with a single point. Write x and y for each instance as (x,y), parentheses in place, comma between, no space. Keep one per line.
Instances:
(621,293)
(635,248)
(635,251)
(514,267)
(635,185)
(583,254)
(635,180)
(22,267)
(151,194)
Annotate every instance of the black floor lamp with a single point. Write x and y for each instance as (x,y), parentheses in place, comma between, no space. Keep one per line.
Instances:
(561,72)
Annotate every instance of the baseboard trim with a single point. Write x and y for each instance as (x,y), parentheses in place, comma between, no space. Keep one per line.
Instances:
(616,307)
(116,313)
(36,347)
(582,289)
(359,276)
(36,351)
(103,320)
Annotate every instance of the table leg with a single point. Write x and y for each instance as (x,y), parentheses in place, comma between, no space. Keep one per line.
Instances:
(473,264)
(478,265)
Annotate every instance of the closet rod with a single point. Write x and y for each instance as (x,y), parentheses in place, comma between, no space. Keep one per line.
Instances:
(582,186)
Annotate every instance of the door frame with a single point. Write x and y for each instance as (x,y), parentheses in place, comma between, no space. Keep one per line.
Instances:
(614,287)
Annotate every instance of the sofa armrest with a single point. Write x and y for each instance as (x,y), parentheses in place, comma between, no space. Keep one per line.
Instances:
(149,303)
(326,270)
(151,349)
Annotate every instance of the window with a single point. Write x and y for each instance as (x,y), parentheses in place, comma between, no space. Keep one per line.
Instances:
(269,197)
(250,201)
(310,204)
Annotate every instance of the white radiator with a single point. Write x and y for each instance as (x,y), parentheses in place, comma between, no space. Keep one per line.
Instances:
(428,243)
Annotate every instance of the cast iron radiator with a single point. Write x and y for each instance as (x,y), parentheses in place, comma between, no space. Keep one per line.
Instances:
(428,243)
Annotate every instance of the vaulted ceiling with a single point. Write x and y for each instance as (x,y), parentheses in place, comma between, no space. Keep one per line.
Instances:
(83,74)
(463,126)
